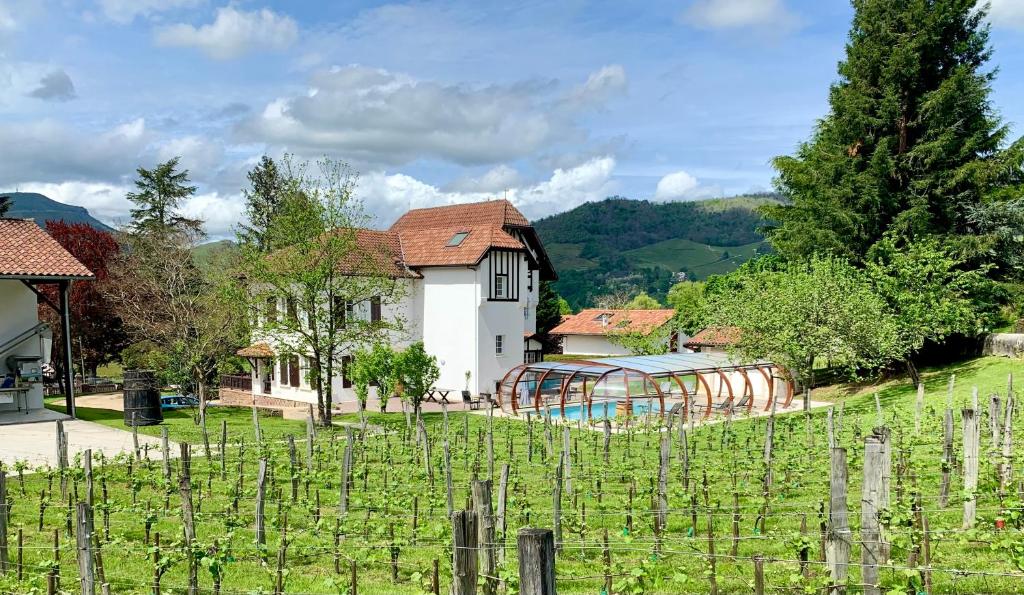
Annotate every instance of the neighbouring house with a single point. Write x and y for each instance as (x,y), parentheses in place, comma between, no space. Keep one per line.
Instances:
(587,333)
(471,276)
(714,339)
(29,257)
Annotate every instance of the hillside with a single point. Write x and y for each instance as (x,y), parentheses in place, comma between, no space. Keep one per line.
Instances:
(620,244)
(31,205)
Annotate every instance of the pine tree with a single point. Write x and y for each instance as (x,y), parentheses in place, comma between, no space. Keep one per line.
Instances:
(911,143)
(160,192)
(262,202)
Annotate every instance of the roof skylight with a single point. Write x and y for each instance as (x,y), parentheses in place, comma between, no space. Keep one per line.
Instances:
(457,238)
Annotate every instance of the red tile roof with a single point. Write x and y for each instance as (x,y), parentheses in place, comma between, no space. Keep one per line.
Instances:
(27,251)
(714,337)
(489,213)
(588,322)
(375,252)
(425,233)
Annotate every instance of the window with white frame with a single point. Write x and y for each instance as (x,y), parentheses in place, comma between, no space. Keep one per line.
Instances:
(499,344)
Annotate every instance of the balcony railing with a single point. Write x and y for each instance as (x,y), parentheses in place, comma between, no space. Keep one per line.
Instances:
(241,382)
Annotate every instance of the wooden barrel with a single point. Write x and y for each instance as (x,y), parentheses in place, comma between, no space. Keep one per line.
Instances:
(141,398)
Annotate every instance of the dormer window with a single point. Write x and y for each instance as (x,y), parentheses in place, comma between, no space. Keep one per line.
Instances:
(457,239)
(603,318)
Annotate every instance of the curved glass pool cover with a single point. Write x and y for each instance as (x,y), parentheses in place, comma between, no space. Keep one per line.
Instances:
(699,383)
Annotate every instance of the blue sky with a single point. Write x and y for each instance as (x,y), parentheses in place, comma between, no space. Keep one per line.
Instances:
(548,103)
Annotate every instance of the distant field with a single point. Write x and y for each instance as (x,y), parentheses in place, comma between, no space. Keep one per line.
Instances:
(701,259)
(567,256)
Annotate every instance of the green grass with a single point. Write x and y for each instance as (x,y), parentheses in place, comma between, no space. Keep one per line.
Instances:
(701,259)
(568,256)
(390,483)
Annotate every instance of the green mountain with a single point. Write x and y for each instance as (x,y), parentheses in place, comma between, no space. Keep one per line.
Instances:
(32,205)
(620,244)
(212,255)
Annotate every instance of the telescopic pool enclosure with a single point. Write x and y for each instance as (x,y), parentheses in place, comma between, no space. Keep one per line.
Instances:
(700,384)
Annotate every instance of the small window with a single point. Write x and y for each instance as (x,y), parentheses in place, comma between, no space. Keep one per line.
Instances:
(375,309)
(529,280)
(499,344)
(457,239)
(271,309)
(499,286)
(603,318)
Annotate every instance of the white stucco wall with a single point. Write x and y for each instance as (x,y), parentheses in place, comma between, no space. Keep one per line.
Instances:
(448,315)
(591,345)
(18,313)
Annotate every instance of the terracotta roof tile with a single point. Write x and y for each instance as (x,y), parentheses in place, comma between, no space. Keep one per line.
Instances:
(714,337)
(256,350)
(588,322)
(429,247)
(26,250)
(489,213)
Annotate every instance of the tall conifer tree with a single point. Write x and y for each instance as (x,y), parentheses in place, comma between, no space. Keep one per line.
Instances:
(911,146)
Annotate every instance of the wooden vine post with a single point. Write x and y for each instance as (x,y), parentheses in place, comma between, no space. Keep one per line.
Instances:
(972,444)
(188,516)
(4,515)
(464,554)
(874,500)
(536,562)
(83,535)
(947,445)
(481,490)
(838,538)
(261,528)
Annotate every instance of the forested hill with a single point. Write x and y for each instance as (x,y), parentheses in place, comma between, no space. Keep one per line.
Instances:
(624,245)
(32,205)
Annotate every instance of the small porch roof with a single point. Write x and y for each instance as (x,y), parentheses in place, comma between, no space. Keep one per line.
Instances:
(256,350)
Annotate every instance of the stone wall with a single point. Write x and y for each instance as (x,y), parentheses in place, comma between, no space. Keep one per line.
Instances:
(1004,344)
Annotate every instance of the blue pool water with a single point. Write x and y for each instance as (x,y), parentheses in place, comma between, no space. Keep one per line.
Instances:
(602,410)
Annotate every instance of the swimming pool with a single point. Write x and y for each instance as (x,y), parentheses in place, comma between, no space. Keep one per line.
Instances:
(602,410)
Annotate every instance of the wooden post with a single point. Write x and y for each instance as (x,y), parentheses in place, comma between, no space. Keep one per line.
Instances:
(499,523)
(758,575)
(83,536)
(4,516)
(256,424)
(536,562)
(947,454)
(994,420)
(187,515)
(918,408)
(481,490)
(87,467)
(346,480)
(310,440)
(607,559)
(567,458)
(62,459)
(712,563)
(556,500)
(1006,468)
(662,513)
(874,499)
(135,436)
(261,528)
(838,538)
(972,439)
(448,478)
(165,450)
(428,468)
(464,555)
(607,426)
(223,448)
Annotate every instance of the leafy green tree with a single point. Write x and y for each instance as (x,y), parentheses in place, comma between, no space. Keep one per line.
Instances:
(322,277)
(654,342)
(929,291)
(417,371)
(374,367)
(158,196)
(642,301)
(998,226)
(690,302)
(5,205)
(263,200)
(911,143)
(549,311)
(823,308)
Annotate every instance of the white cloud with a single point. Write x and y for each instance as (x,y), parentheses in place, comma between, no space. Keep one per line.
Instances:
(601,85)
(740,14)
(233,33)
(125,11)
(1006,13)
(377,117)
(197,154)
(497,179)
(675,185)
(49,151)
(104,201)
(219,213)
(388,195)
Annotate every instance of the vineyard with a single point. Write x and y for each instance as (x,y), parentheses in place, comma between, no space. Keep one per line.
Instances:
(730,507)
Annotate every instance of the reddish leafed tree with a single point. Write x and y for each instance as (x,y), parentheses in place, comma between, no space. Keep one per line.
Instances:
(97,334)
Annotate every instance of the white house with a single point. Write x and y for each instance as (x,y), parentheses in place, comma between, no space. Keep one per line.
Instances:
(587,333)
(30,257)
(470,277)
(714,339)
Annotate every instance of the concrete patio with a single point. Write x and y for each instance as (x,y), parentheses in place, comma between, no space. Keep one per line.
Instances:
(32,437)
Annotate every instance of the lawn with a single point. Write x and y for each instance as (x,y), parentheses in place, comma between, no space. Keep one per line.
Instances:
(396,514)
(701,259)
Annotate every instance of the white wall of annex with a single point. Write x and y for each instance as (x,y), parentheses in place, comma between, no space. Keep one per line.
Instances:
(449,322)
(20,313)
(591,345)
(499,318)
